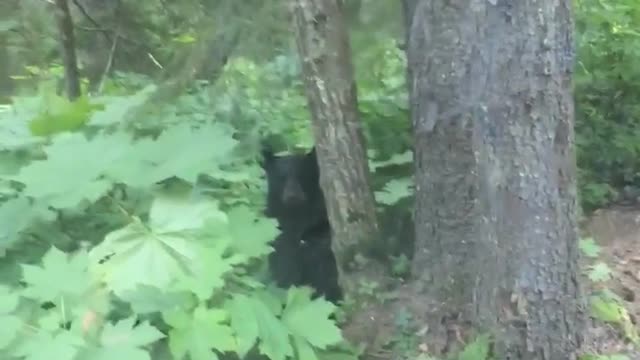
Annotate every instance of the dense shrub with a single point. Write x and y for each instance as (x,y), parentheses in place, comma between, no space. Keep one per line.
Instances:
(607,89)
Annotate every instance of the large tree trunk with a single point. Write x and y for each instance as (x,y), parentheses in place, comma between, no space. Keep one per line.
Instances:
(323,44)
(492,112)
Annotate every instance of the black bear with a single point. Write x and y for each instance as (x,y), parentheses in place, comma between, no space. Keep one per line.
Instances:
(302,253)
(294,197)
(319,269)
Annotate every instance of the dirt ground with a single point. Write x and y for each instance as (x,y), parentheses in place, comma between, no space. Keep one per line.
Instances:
(616,230)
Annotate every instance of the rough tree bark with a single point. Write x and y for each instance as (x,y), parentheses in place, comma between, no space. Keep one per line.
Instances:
(68,49)
(492,112)
(323,45)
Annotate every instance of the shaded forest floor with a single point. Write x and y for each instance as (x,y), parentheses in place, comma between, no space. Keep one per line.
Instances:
(617,231)
(387,331)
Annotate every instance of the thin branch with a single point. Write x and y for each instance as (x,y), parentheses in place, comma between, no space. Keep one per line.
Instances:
(86,13)
(107,68)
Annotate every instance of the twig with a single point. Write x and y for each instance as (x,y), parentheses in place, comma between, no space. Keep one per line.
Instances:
(107,68)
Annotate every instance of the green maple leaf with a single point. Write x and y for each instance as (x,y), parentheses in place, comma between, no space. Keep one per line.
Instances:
(304,350)
(198,333)
(16,215)
(149,299)
(46,346)
(589,247)
(14,131)
(180,151)
(600,272)
(73,169)
(397,159)
(477,350)
(97,353)
(125,333)
(252,235)
(116,108)
(159,253)
(394,190)
(137,256)
(124,340)
(59,114)
(178,212)
(209,277)
(301,311)
(607,310)
(10,163)
(273,334)
(186,150)
(44,282)
(244,324)
(137,169)
(10,324)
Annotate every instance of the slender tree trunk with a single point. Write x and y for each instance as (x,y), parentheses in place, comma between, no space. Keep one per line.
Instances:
(6,83)
(492,111)
(408,10)
(68,49)
(323,44)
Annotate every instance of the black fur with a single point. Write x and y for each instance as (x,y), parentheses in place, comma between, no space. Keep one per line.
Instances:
(320,270)
(285,262)
(294,196)
(302,253)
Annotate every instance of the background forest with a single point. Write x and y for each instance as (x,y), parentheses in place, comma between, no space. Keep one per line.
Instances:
(175,100)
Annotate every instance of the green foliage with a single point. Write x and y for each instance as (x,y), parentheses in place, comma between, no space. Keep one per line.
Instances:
(154,210)
(111,214)
(394,190)
(478,349)
(609,308)
(268,99)
(605,305)
(598,271)
(383,98)
(589,247)
(133,231)
(61,115)
(607,85)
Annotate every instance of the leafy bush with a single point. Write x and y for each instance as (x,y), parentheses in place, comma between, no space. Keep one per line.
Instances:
(120,244)
(607,88)
(135,229)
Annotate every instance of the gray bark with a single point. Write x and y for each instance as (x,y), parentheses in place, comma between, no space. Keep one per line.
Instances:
(323,45)
(492,111)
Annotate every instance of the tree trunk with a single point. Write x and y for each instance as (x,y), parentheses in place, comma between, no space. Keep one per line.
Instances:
(408,10)
(323,45)
(492,111)
(68,49)
(6,83)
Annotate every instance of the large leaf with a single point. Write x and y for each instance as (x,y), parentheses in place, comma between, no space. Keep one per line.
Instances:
(73,169)
(198,333)
(159,253)
(301,311)
(123,340)
(181,151)
(43,282)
